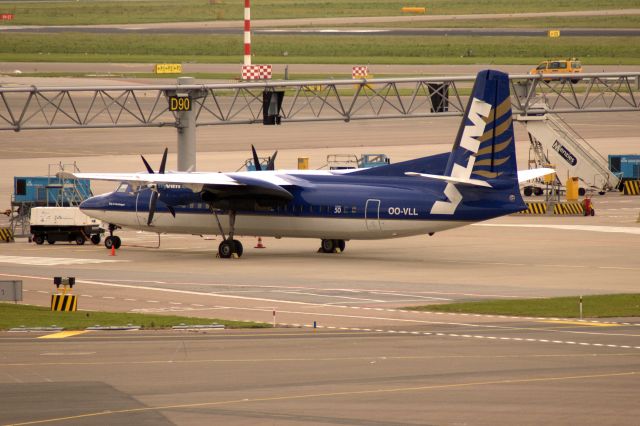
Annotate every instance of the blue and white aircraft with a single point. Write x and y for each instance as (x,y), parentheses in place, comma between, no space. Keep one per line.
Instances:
(476,181)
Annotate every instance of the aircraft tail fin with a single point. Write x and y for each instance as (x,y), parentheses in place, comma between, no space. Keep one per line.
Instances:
(484,149)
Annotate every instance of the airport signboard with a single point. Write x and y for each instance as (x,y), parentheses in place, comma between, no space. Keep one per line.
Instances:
(11,291)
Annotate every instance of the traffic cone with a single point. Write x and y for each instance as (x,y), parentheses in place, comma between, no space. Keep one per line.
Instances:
(259,245)
(113,250)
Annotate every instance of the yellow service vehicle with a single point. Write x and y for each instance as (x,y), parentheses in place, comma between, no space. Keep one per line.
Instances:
(559,67)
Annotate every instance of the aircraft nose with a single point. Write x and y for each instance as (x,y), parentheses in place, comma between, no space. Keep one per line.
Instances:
(93,203)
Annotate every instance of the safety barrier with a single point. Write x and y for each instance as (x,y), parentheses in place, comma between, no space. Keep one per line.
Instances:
(565,209)
(64,302)
(569,209)
(631,187)
(534,208)
(6,234)
(61,300)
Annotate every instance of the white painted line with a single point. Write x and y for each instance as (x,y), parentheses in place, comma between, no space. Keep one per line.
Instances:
(590,228)
(52,261)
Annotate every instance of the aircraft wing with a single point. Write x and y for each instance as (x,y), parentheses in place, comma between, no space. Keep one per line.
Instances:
(525,175)
(238,184)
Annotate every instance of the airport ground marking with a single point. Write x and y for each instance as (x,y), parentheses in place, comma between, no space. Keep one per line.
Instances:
(467,336)
(63,334)
(591,228)
(52,261)
(335,394)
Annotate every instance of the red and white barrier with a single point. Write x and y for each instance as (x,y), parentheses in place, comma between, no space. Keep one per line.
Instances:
(359,71)
(256,72)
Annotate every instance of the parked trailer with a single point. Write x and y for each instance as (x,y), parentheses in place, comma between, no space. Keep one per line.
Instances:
(626,167)
(68,224)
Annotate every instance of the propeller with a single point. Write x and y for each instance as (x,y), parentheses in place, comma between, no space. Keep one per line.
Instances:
(256,161)
(154,189)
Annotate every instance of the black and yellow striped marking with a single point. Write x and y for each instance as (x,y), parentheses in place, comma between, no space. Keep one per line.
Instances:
(568,209)
(534,208)
(6,235)
(64,302)
(540,208)
(631,187)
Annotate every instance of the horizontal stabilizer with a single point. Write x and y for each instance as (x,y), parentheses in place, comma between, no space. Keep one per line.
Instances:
(451,179)
(525,175)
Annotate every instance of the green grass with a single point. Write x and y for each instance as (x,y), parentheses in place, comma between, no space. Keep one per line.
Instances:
(82,12)
(12,315)
(601,306)
(70,47)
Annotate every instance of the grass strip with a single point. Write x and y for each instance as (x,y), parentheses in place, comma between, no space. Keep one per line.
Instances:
(12,315)
(597,306)
(86,12)
(284,49)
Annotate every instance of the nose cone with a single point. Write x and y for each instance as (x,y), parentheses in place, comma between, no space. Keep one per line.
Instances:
(94,203)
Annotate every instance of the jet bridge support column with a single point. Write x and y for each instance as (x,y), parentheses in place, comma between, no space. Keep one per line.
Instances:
(187,131)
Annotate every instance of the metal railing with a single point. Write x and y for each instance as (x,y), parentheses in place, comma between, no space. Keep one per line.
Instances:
(24,108)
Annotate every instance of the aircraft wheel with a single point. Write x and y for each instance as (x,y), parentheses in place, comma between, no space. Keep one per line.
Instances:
(108,242)
(328,246)
(528,191)
(537,191)
(341,245)
(51,241)
(117,242)
(581,191)
(225,249)
(80,240)
(238,247)
(38,239)
(95,239)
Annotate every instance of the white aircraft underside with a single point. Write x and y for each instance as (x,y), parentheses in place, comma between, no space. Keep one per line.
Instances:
(277,226)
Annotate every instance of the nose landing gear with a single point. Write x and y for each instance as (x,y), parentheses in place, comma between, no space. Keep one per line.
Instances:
(112,240)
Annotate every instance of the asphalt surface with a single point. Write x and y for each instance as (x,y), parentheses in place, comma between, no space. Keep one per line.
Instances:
(418,376)
(367,362)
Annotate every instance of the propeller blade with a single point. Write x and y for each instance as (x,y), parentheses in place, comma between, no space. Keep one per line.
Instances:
(163,164)
(272,162)
(146,164)
(172,211)
(152,207)
(256,161)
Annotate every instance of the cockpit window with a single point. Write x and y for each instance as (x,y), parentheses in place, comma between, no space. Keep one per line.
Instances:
(124,188)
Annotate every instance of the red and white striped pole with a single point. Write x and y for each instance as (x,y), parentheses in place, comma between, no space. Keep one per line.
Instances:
(247,32)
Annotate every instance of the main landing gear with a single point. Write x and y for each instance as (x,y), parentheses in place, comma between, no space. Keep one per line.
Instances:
(332,246)
(112,240)
(229,247)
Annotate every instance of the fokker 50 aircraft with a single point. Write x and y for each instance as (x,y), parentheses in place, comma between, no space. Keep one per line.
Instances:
(476,181)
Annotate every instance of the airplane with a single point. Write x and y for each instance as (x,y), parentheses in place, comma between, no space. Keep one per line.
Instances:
(478,180)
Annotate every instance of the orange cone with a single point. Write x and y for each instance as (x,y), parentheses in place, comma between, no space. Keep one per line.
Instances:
(259,245)
(113,250)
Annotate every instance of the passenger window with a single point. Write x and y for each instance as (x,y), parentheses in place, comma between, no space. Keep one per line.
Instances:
(542,66)
(562,65)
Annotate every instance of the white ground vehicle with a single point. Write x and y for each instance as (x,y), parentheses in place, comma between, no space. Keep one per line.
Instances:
(69,224)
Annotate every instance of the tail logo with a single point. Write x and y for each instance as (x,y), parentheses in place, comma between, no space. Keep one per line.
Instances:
(478,112)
